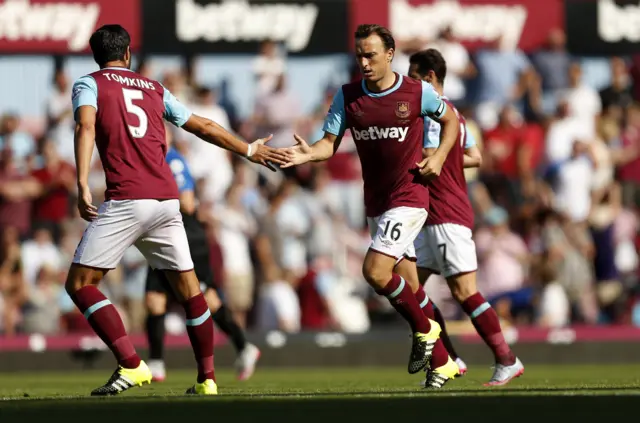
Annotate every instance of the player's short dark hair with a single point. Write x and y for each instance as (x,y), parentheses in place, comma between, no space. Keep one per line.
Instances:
(430,60)
(367,30)
(109,43)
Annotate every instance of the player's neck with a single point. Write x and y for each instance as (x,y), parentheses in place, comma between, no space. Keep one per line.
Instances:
(116,64)
(383,84)
(439,90)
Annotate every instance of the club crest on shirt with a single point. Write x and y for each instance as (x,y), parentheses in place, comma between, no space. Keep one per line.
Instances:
(402,109)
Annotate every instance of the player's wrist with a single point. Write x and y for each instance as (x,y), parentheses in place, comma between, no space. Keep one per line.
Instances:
(250,150)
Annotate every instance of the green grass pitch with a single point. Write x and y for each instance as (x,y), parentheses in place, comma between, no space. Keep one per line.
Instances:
(577,393)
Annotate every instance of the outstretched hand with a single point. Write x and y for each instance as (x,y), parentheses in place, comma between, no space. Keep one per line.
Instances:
(299,153)
(263,154)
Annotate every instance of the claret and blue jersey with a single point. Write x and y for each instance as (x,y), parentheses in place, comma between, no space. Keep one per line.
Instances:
(388,130)
(85,93)
(336,122)
(130,131)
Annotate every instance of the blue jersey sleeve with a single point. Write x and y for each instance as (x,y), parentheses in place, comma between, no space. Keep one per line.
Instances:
(174,111)
(431,133)
(432,103)
(84,93)
(181,172)
(336,123)
(470,140)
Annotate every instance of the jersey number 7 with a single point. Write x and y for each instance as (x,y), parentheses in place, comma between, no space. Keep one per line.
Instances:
(143,122)
(443,252)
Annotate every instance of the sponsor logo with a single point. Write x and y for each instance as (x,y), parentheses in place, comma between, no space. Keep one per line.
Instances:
(397,133)
(402,109)
(241,21)
(618,22)
(72,23)
(469,22)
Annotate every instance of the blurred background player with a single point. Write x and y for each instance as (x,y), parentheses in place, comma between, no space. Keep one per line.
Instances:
(385,114)
(157,285)
(445,245)
(123,112)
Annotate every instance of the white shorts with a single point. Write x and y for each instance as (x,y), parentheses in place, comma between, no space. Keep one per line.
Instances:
(154,227)
(393,232)
(447,249)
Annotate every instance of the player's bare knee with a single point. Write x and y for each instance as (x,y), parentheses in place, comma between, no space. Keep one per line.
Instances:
(79,277)
(377,269)
(156,303)
(462,286)
(376,276)
(185,284)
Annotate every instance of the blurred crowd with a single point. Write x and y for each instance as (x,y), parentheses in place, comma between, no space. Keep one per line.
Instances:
(556,200)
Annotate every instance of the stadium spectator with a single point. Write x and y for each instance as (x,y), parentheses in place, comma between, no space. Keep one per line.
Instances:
(57,180)
(628,158)
(20,143)
(552,63)
(235,228)
(620,93)
(506,158)
(583,101)
(268,67)
(41,312)
(60,123)
(12,286)
(501,80)
(17,191)
(206,161)
(460,68)
(563,132)
(569,250)
(38,252)
(278,113)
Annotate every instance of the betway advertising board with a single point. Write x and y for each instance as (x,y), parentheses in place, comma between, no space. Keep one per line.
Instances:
(239,26)
(475,23)
(603,27)
(62,26)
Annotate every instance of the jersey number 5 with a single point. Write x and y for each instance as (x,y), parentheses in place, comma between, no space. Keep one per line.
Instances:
(130,95)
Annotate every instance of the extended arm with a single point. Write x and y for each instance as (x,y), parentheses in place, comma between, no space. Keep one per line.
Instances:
(324,148)
(211,132)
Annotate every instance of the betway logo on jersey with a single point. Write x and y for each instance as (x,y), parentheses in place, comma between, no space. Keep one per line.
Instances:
(240,21)
(618,22)
(398,133)
(25,20)
(479,22)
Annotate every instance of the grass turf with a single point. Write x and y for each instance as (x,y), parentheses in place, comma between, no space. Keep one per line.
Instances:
(588,393)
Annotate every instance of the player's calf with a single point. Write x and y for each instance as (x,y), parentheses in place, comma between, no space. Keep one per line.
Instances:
(377,267)
(81,285)
(199,323)
(378,271)
(483,316)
